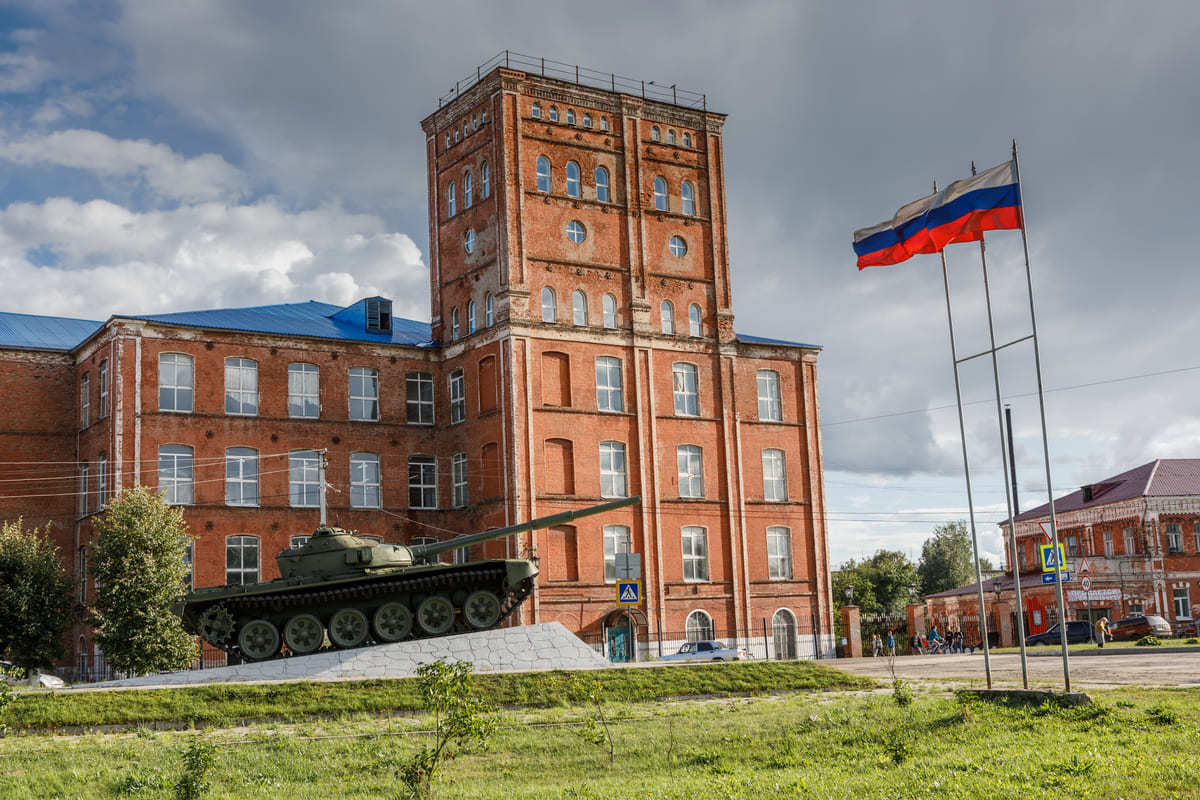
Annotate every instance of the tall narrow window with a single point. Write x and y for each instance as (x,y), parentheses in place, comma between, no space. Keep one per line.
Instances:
(579,307)
(609,393)
(779,553)
(687,140)
(688,195)
(84,489)
(543,174)
(602,186)
(454,325)
(85,400)
(694,327)
(609,304)
(175,474)
(451,206)
(468,189)
(241,386)
(419,397)
(770,403)
(535,111)
(572,179)
(1196,535)
(422,482)
(655,134)
(304,485)
(489,317)
(1181,603)
(614,481)
(616,540)
(695,553)
(549,306)
(485,182)
(304,391)
(774,475)
(103,389)
(671,136)
(604,123)
(1174,537)
(241,560)
(660,194)
(686,390)
(570,116)
(487,384)
(241,476)
(587,120)
(1129,542)
(667,317)
(1108,544)
(554,113)
(365,485)
(174,382)
(101,480)
(364,394)
(189,561)
(458,397)
(691,470)
(458,477)
(471,317)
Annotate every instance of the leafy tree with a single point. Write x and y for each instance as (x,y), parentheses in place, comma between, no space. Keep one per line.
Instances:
(852,573)
(35,597)
(946,558)
(139,569)
(880,582)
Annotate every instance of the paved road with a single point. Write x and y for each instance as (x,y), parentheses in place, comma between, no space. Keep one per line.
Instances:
(1128,668)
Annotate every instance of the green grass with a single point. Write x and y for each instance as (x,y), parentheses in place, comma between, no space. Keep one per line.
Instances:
(1133,743)
(1075,648)
(227,704)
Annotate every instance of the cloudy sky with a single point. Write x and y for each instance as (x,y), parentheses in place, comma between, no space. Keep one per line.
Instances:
(162,156)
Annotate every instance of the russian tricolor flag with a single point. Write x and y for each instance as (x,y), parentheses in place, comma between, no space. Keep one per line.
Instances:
(961,212)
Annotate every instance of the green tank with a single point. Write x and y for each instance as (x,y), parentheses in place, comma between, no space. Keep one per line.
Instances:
(348,592)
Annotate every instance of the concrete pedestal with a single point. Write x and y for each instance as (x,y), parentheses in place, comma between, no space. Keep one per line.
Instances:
(852,630)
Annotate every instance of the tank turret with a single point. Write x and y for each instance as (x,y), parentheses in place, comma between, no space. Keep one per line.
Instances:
(341,590)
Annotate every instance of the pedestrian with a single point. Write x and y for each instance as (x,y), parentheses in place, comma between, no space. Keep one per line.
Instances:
(876,646)
(891,642)
(1101,631)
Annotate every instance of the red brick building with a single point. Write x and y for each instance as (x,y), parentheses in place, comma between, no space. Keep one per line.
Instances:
(581,347)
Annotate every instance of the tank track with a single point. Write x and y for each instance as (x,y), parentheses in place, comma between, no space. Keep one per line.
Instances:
(278,603)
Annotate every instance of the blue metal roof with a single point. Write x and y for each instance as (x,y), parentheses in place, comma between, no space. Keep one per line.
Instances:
(741,337)
(44,333)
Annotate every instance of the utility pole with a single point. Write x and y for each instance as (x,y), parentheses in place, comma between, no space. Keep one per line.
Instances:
(321,463)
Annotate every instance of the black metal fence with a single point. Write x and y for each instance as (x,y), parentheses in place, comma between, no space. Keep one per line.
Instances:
(90,669)
(779,639)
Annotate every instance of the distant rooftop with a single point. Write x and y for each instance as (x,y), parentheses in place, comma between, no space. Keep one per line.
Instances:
(44,333)
(1163,477)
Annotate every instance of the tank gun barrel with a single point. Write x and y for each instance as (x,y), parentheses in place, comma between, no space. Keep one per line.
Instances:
(433,549)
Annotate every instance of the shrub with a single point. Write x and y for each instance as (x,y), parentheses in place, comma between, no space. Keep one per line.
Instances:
(1163,716)
(197,761)
(901,692)
(1148,641)
(36,603)
(1192,640)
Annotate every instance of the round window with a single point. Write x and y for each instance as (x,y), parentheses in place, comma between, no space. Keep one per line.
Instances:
(575,231)
(677,246)
(469,241)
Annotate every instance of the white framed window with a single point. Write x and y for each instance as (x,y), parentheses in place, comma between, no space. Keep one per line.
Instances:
(447,141)
(670,136)
(779,553)
(660,194)
(189,562)
(458,478)
(688,195)
(770,402)
(688,458)
(469,241)
(454,326)
(572,179)
(549,305)
(774,475)
(677,246)
(364,394)
(535,111)
(175,382)
(575,231)
(1129,542)
(666,313)
(616,540)
(365,484)
(1183,607)
(570,116)
(298,541)
(610,395)
(609,305)
(101,480)
(241,387)
(1196,535)
(686,390)
(103,375)
(175,474)
(304,391)
(458,397)
(1108,544)
(471,316)
(579,307)
(422,482)
(241,476)
(699,627)
(241,560)
(587,120)
(304,483)
(604,123)
(85,400)
(1174,537)
(687,140)
(468,189)
(419,398)
(485,182)
(694,320)
(655,133)
(451,205)
(614,480)
(603,190)
(84,488)
(695,553)
(543,174)
(1136,607)
(489,317)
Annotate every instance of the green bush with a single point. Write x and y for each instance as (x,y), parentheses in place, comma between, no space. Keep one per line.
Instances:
(1192,640)
(1148,641)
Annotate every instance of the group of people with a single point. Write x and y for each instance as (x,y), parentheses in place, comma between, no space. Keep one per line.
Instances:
(879,647)
(934,642)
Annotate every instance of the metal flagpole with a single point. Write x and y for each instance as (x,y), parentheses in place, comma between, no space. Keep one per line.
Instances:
(1013,510)
(983,631)
(1037,360)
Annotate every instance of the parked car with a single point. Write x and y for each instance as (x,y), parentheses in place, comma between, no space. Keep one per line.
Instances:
(10,673)
(707,651)
(1077,631)
(1137,626)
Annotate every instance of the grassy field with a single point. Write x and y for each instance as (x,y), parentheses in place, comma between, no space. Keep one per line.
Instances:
(1132,744)
(1084,646)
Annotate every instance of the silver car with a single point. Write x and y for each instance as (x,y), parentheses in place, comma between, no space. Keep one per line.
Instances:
(708,650)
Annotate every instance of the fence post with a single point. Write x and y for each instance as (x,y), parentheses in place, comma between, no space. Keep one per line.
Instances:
(766,641)
(816,634)
(659,618)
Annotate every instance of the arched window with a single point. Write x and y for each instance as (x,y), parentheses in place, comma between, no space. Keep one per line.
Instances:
(485,178)
(783,631)
(570,116)
(687,140)
(602,193)
(468,189)
(549,306)
(447,141)
(655,134)
(604,123)
(575,231)
(609,304)
(677,246)
(543,174)
(667,312)
(451,210)
(688,195)
(671,136)
(699,626)
(587,120)
(554,113)
(572,179)
(488,317)
(471,317)
(579,307)
(454,326)
(660,194)
(536,111)
(469,241)
(694,320)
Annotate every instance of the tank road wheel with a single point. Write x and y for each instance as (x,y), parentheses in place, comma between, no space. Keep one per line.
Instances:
(435,615)
(482,609)
(348,627)
(259,640)
(392,622)
(304,634)
(216,626)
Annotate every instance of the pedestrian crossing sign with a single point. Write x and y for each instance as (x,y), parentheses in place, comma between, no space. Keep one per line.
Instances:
(629,593)
(1049,562)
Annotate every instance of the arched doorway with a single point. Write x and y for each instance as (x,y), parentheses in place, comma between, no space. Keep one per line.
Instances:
(620,634)
(783,631)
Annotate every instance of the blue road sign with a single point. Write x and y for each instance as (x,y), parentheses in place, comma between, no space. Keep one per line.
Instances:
(1049,577)
(1049,562)
(629,593)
